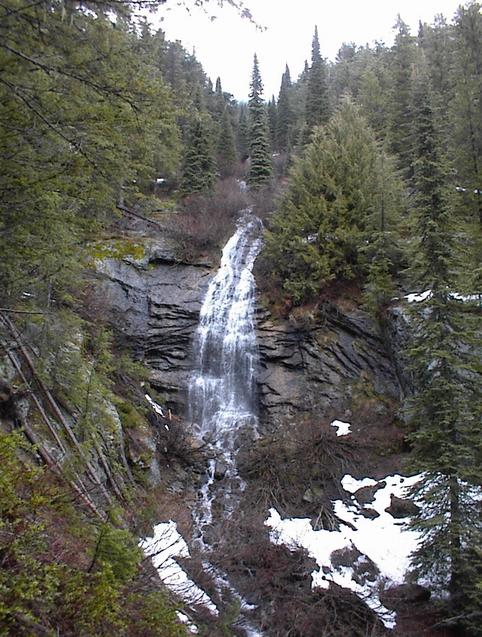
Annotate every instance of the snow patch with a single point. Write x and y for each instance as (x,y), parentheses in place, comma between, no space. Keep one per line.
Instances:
(417,297)
(383,542)
(155,406)
(184,619)
(166,545)
(342,428)
(422,296)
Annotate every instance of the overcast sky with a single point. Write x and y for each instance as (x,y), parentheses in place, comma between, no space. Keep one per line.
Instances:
(225,46)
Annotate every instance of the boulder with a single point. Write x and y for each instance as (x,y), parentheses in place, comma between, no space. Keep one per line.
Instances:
(401,508)
(397,596)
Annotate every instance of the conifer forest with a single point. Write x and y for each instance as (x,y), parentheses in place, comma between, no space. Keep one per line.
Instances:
(240,341)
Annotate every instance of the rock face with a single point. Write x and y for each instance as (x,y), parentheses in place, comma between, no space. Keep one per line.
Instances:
(305,367)
(154,303)
(310,367)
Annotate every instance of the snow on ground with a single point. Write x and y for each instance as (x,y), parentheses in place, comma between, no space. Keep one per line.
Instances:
(422,296)
(164,547)
(383,541)
(342,428)
(155,406)
(417,297)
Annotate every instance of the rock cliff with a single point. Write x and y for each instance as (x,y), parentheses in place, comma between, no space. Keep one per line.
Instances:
(311,365)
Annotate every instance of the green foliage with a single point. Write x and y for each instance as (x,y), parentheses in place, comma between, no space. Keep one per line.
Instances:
(41,592)
(259,146)
(77,134)
(401,65)
(226,155)
(199,168)
(285,119)
(445,410)
(337,192)
(317,109)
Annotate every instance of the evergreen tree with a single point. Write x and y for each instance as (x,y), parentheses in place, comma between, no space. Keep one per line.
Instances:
(259,148)
(401,68)
(320,231)
(443,411)
(317,109)
(285,113)
(198,175)
(272,121)
(466,106)
(226,151)
(242,137)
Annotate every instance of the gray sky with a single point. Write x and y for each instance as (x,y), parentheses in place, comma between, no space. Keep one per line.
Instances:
(225,46)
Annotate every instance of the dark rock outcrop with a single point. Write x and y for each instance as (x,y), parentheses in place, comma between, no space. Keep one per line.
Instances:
(154,304)
(306,366)
(311,368)
(401,508)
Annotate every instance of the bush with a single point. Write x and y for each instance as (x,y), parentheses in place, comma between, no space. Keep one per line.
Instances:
(206,221)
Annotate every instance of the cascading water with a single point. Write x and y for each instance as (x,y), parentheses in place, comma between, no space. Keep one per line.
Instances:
(222,392)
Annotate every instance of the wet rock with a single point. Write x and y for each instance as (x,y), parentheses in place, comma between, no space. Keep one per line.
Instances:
(401,508)
(154,305)
(220,469)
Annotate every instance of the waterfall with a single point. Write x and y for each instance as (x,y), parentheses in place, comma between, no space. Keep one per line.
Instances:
(222,390)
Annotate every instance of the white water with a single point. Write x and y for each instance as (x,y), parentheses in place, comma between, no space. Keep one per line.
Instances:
(222,391)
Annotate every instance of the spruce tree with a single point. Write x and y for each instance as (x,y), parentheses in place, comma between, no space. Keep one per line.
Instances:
(259,147)
(466,106)
(317,110)
(443,411)
(285,113)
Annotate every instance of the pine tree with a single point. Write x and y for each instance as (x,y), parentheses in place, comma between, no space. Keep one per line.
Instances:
(285,113)
(317,110)
(443,411)
(226,150)
(259,148)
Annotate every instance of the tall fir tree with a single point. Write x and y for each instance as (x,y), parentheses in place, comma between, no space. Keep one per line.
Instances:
(401,68)
(443,411)
(199,167)
(285,113)
(272,121)
(259,148)
(317,108)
